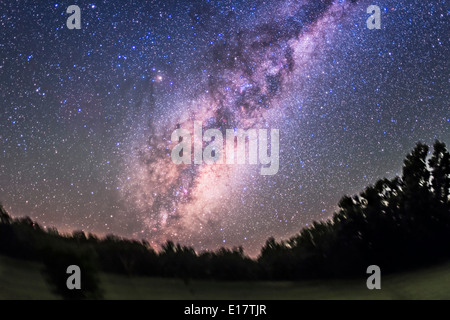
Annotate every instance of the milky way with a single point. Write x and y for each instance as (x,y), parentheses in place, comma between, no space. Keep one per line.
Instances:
(87,115)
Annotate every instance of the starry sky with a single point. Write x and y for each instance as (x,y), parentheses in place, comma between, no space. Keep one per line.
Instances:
(86,115)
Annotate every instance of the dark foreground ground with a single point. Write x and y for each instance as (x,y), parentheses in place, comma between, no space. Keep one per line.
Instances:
(24,280)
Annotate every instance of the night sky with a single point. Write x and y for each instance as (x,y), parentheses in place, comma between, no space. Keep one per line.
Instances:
(86,115)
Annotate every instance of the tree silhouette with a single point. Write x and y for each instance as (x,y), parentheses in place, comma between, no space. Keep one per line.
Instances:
(396,223)
(440,170)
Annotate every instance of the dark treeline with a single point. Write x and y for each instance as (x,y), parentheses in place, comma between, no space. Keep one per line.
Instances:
(395,224)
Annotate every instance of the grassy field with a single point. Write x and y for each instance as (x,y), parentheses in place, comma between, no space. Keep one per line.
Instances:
(23,280)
